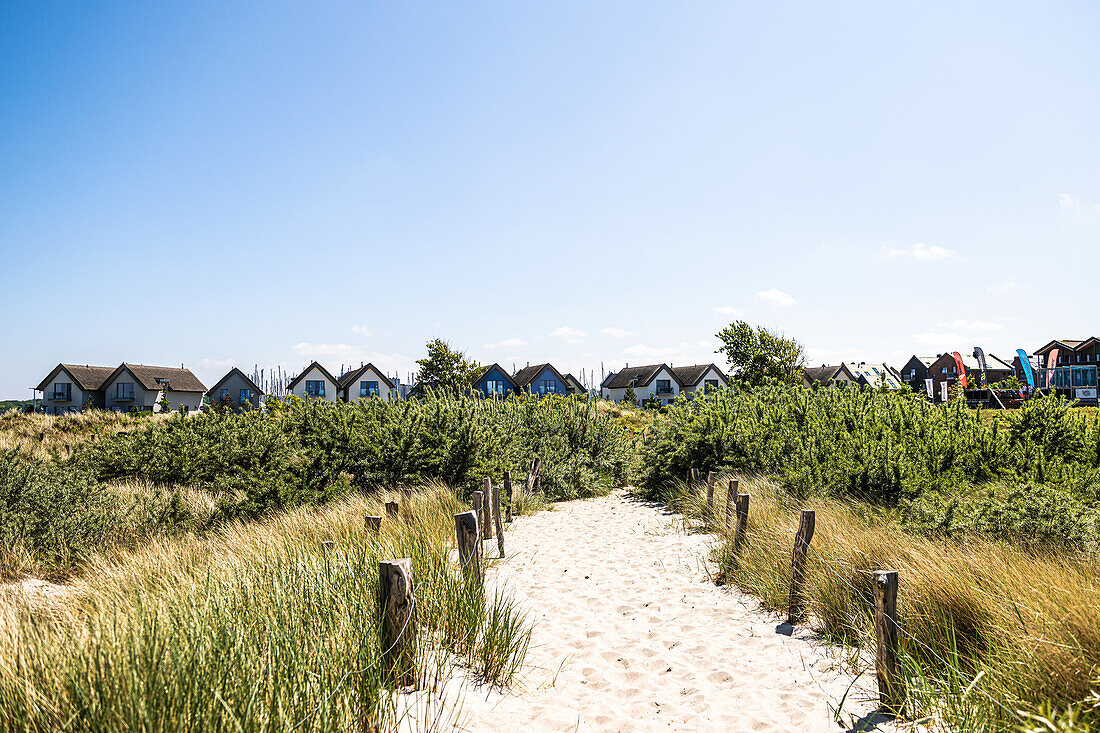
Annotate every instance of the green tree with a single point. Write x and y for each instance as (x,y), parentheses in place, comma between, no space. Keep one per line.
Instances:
(756,354)
(629,398)
(445,369)
(165,405)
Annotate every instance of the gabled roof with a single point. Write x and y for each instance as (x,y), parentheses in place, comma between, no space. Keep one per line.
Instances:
(178,379)
(348,378)
(483,371)
(639,376)
(304,372)
(525,376)
(992,362)
(255,388)
(1068,344)
(569,378)
(925,360)
(825,374)
(873,374)
(689,376)
(88,378)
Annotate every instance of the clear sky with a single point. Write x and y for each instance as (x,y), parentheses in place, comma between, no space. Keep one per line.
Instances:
(262,183)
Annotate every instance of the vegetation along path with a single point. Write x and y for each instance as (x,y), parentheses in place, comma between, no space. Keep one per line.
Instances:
(631,634)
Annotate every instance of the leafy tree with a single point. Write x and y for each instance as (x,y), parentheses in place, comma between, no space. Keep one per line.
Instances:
(629,398)
(756,355)
(445,369)
(165,405)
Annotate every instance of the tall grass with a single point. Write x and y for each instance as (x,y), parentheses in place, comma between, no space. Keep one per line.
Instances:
(259,626)
(1018,625)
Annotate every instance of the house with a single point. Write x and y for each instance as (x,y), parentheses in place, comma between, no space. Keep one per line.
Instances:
(876,375)
(139,387)
(314,383)
(653,381)
(706,377)
(915,371)
(541,379)
(944,369)
(72,387)
(492,381)
(1075,369)
(365,382)
(235,390)
(574,386)
(829,377)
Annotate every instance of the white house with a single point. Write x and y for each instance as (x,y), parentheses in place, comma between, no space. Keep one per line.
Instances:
(315,383)
(365,382)
(656,381)
(72,387)
(139,387)
(705,377)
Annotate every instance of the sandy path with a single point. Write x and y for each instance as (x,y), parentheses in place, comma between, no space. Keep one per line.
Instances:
(630,635)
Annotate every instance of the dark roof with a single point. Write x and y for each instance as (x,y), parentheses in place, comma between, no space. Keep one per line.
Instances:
(482,371)
(179,380)
(88,378)
(825,374)
(525,376)
(304,372)
(689,376)
(255,387)
(1063,343)
(638,376)
(347,378)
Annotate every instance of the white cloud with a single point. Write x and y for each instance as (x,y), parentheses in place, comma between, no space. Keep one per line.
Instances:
(571,335)
(728,310)
(616,333)
(777,298)
(1005,286)
(209,363)
(362,330)
(506,343)
(975,325)
(921,252)
(1068,202)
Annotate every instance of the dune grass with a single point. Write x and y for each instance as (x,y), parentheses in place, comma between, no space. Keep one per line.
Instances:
(256,626)
(1017,626)
(49,436)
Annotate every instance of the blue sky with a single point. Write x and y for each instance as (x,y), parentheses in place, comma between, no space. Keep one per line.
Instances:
(216,184)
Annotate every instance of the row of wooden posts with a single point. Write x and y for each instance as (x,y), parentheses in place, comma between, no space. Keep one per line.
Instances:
(890,684)
(396,598)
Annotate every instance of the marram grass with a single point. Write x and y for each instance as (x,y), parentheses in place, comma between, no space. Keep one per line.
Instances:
(260,626)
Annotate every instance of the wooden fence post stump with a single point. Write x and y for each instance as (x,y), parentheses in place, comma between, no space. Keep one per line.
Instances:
(798,564)
(742,522)
(507,496)
(397,604)
(468,537)
(497,519)
(392,508)
(731,501)
(477,502)
(487,510)
(710,490)
(891,690)
(373,524)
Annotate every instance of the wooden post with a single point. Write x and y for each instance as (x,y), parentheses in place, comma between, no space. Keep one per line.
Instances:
(531,475)
(497,519)
(891,689)
(397,604)
(477,503)
(392,508)
(731,501)
(469,544)
(507,496)
(798,564)
(373,524)
(710,489)
(487,510)
(742,522)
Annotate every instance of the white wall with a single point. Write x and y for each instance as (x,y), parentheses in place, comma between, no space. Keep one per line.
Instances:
(711,373)
(55,407)
(370,375)
(315,375)
(643,393)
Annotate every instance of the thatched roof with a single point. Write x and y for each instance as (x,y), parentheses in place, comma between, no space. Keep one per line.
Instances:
(88,378)
(638,376)
(349,378)
(153,378)
(689,376)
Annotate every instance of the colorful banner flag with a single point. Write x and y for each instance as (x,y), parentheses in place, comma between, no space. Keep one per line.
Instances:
(943,390)
(1025,364)
(962,368)
(1052,362)
(928,385)
(980,356)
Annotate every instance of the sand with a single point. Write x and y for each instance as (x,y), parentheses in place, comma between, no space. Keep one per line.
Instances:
(632,635)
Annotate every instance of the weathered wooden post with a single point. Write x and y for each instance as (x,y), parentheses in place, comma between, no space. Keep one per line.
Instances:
(477,502)
(397,603)
(392,507)
(497,518)
(469,544)
(731,501)
(742,522)
(373,524)
(891,689)
(507,496)
(487,510)
(710,490)
(798,564)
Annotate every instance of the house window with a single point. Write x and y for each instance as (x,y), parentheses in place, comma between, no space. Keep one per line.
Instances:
(222,394)
(709,385)
(664,386)
(315,388)
(63,391)
(124,390)
(546,386)
(368,389)
(494,386)
(246,395)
